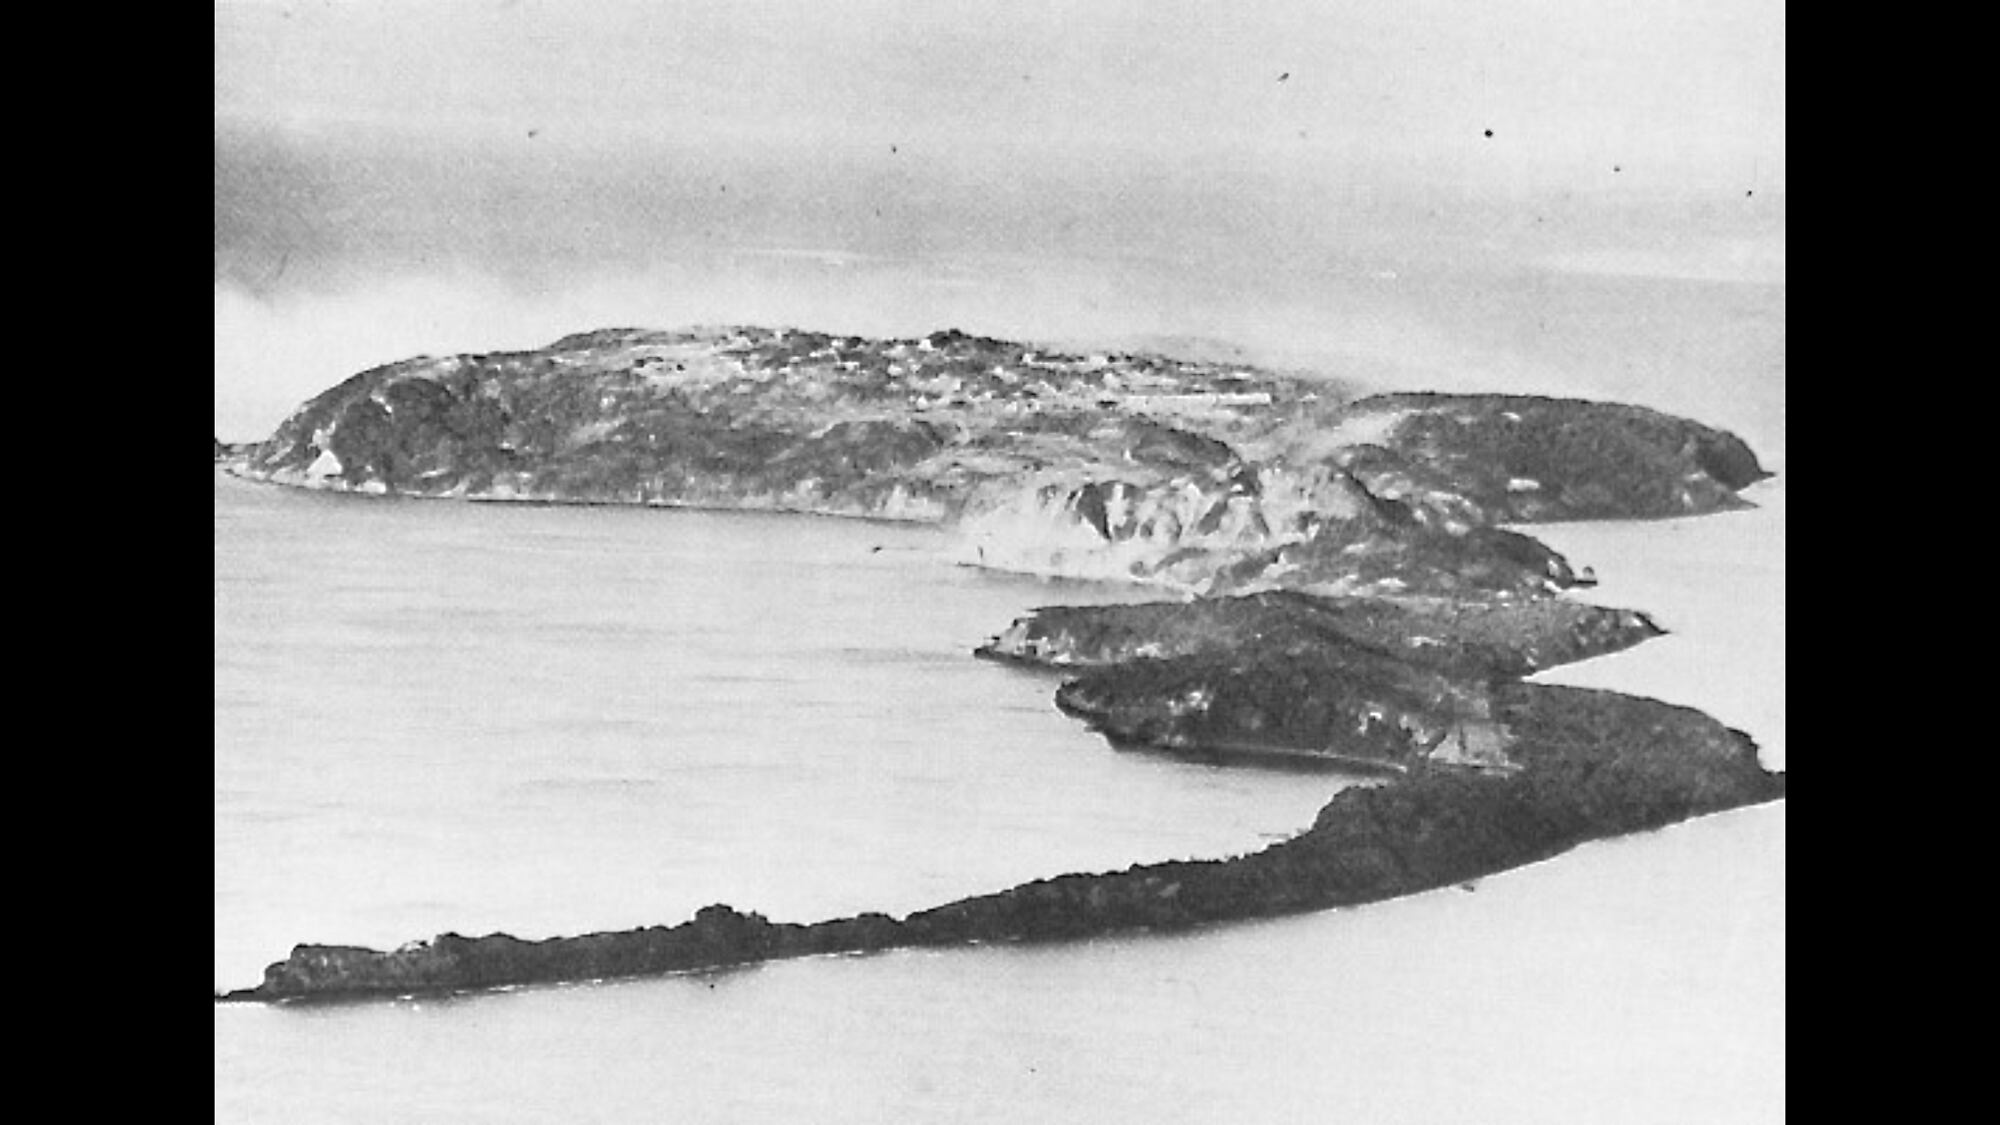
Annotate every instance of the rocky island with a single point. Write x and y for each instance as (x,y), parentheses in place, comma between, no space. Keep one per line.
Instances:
(1342,588)
(1197,477)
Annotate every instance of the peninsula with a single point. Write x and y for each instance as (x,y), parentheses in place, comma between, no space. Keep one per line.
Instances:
(1339,576)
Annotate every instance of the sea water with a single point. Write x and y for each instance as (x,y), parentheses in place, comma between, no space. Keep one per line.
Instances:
(546,720)
(437,716)
(441,716)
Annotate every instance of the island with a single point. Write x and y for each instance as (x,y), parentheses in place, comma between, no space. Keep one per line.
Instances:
(1342,584)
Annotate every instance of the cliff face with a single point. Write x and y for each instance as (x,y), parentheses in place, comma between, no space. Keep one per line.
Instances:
(1199,477)
(1362,607)
(1473,459)
(743,417)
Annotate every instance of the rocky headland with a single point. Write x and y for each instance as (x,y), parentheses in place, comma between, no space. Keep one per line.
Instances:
(1198,477)
(1347,594)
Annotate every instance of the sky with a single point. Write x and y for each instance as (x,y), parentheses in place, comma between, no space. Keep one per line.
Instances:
(394,178)
(1685,94)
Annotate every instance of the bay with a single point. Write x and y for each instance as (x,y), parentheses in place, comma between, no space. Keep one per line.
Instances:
(394,758)
(552,720)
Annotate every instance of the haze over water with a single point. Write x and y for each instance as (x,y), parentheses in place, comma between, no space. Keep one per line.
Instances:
(435,716)
(1669,301)
(1522,197)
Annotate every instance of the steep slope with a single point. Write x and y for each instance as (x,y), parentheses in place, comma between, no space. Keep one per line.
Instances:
(1199,477)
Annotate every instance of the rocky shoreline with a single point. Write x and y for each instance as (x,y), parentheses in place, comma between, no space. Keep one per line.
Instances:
(1592,764)
(1196,477)
(1348,595)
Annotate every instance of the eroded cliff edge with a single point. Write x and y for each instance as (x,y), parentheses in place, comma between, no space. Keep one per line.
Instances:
(1358,602)
(1197,477)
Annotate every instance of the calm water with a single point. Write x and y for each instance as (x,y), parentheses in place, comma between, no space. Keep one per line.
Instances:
(546,721)
(552,720)
(549,720)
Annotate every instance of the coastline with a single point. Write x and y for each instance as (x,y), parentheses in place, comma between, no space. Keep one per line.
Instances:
(1685,926)
(1539,765)
(1717,584)
(1586,765)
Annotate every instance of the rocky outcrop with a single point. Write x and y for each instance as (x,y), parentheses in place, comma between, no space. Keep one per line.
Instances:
(1361,603)
(1337,704)
(717,936)
(1360,682)
(1467,638)
(1469,460)
(1591,764)
(1199,477)
(748,417)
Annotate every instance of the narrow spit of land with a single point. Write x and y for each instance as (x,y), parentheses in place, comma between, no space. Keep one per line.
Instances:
(1344,593)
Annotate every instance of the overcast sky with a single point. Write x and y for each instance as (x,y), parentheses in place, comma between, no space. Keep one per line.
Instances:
(1684,94)
(1359,181)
